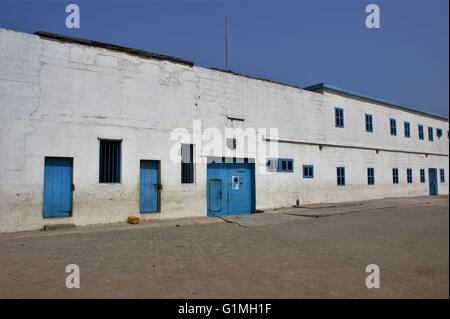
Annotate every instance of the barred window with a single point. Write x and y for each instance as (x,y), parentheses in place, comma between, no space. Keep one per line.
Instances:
(187,163)
(109,166)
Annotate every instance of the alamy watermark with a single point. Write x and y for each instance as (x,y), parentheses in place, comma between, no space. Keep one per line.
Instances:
(73,279)
(229,145)
(373,279)
(73,19)
(373,19)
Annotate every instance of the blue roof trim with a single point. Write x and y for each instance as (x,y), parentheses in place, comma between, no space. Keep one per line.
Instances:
(371,98)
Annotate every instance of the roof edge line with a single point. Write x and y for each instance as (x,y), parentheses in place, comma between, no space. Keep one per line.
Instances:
(114,47)
(331,87)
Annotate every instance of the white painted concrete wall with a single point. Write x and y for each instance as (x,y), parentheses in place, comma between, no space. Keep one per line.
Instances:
(57,99)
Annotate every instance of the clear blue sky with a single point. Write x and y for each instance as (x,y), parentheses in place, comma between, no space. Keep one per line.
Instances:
(295,42)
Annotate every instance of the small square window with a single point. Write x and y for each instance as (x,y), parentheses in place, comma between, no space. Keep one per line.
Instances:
(285,165)
(308,171)
(439,132)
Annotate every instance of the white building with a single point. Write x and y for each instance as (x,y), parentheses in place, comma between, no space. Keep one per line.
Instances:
(100,117)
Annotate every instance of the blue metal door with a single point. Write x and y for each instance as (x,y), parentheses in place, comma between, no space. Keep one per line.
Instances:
(240,189)
(432,178)
(230,188)
(217,190)
(58,187)
(215,195)
(149,187)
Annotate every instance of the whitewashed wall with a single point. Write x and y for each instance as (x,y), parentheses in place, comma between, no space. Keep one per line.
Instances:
(57,99)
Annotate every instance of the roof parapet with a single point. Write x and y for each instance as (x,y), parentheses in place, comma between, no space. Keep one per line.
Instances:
(136,52)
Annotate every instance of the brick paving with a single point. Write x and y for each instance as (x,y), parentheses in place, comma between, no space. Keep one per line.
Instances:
(269,255)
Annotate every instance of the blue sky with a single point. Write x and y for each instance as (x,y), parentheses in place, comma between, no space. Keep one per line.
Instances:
(295,42)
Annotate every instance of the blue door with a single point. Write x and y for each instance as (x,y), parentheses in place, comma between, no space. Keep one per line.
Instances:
(215,195)
(58,187)
(230,188)
(149,186)
(432,178)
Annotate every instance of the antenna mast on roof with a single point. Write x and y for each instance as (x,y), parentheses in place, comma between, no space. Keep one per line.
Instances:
(226,43)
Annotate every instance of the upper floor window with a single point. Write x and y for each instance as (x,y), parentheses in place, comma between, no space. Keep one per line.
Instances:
(430,134)
(422,175)
(369,123)
(370,176)
(407,130)
(395,175)
(409,176)
(393,123)
(439,132)
(420,132)
(339,117)
(308,171)
(340,172)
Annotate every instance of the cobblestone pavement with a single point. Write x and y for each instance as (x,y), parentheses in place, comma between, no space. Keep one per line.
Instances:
(282,254)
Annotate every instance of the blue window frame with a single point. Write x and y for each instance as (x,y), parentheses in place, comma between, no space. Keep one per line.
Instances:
(407,130)
(395,175)
(371,176)
(442,174)
(420,132)
(439,132)
(422,175)
(369,123)
(340,172)
(430,134)
(409,176)
(393,123)
(280,165)
(308,171)
(339,117)
(285,165)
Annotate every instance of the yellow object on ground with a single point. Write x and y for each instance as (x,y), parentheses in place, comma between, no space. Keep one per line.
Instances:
(133,220)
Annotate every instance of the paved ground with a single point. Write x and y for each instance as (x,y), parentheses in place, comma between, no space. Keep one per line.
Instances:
(310,252)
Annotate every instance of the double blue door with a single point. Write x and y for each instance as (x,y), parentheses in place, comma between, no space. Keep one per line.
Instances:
(230,188)
(149,186)
(432,178)
(58,187)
